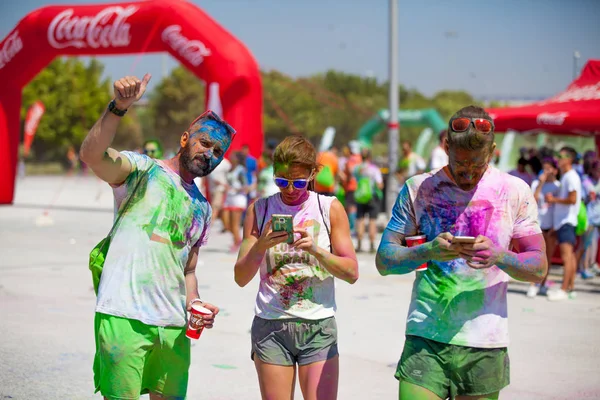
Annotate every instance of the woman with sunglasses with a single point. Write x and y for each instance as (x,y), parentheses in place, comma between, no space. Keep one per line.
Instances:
(294,330)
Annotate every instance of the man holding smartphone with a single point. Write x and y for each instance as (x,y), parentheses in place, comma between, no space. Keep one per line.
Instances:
(457,327)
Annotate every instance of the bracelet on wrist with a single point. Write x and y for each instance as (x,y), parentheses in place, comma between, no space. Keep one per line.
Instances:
(196,300)
(112,107)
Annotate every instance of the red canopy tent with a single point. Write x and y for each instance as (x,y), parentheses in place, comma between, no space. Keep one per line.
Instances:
(576,111)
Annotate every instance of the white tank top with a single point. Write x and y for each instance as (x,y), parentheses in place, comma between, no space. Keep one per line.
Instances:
(292,283)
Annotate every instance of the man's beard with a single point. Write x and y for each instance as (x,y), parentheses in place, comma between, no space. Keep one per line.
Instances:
(199,166)
(460,182)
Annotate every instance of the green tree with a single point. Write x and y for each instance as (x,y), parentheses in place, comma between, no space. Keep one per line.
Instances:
(75,95)
(357,99)
(129,132)
(289,107)
(447,102)
(308,105)
(174,104)
(304,105)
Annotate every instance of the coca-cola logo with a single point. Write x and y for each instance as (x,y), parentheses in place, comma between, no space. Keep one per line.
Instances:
(193,51)
(552,118)
(108,28)
(12,45)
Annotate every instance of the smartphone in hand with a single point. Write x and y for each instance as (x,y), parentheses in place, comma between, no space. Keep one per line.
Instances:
(463,239)
(283,222)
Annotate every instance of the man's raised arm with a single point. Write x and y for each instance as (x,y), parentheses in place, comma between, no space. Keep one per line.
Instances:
(107,163)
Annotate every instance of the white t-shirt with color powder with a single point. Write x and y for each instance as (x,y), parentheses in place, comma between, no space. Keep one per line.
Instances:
(218,177)
(236,197)
(369,170)
(266,182)
(545,210)
(567,213)
(439,158)
(143,276)
(415,164)
(452,302)
(292,284)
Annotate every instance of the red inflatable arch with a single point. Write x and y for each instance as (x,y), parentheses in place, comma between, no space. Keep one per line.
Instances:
(176,26)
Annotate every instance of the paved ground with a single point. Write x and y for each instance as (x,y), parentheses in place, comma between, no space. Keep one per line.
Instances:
(47,302)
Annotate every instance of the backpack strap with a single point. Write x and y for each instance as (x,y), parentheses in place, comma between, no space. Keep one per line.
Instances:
(325,223)
(262,225)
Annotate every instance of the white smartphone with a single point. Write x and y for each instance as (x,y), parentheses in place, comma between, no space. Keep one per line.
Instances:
(463,239)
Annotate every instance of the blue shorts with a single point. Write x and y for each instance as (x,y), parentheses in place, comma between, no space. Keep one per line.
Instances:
(566,234)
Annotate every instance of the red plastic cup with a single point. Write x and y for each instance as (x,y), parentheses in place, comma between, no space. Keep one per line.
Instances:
(412,241)
(196,320)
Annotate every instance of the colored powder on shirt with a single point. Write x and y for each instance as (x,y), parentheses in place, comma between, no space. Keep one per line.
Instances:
(452,302)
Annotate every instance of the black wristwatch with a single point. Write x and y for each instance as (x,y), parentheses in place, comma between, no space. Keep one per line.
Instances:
(112,107)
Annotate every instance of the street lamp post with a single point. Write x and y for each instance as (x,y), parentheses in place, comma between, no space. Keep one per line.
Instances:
(576,57)
(394,100)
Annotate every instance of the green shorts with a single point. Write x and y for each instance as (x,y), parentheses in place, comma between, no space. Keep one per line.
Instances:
(448,370)
(294,341)
(133,358)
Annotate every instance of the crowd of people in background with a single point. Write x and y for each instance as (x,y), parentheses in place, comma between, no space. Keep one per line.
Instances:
(565,186)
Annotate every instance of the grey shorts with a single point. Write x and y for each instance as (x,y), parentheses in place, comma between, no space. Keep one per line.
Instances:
(291,341)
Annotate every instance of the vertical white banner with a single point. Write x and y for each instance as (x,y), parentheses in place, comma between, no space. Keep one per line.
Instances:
(327,139)
(214,99)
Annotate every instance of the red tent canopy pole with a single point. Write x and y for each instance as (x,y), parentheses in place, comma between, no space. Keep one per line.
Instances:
(183,30)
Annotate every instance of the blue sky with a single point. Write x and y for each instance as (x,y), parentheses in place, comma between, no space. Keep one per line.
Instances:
(520,48)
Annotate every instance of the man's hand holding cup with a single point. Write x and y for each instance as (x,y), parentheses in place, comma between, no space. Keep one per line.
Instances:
(202,315)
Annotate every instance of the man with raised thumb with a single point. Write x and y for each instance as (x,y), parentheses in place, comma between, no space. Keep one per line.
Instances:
(148,280)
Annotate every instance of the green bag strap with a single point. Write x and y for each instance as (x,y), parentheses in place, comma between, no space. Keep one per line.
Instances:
(121,212)
(102,246)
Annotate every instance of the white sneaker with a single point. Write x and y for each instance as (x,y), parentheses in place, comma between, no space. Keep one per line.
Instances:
(532,291)
(558,295)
